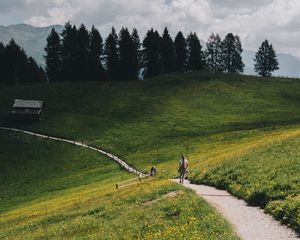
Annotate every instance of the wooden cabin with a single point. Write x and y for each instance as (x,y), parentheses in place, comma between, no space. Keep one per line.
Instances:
(27,110)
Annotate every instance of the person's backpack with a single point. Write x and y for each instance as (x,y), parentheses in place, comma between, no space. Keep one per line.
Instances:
(183,164)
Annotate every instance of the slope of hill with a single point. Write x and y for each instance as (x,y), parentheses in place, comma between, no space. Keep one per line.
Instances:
(266,176)
(175,107)
(146,123)
(58,191)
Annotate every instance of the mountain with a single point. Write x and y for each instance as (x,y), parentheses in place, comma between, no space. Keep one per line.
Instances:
(32,39)
(289,65)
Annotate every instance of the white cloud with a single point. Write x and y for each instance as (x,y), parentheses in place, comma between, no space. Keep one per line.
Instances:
(278,21)
(60,12)
(253,21)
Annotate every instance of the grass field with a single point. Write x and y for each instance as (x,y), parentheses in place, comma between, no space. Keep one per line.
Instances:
(216,120)
(54,190)
(155,121)
(36,168)
(267,177)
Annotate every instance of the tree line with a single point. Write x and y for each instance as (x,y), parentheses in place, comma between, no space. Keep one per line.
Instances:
(79,54)
(16,68)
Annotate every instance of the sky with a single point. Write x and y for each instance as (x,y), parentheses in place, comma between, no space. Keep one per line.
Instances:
(253,20)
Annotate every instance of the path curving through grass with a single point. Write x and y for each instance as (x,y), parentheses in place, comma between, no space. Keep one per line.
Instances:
(251,223)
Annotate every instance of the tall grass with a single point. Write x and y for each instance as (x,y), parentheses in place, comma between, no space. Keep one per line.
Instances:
(213,119)
(266,176)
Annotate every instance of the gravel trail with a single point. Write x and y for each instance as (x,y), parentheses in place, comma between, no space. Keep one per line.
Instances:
(250,223)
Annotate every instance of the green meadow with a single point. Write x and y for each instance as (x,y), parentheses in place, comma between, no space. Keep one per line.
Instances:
(267,177)
(55,190)
(239,133)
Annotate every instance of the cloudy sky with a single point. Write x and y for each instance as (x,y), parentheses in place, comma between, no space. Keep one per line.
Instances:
(252,20)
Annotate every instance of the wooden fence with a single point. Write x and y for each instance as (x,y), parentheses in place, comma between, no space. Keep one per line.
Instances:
(131,182)
(81,144)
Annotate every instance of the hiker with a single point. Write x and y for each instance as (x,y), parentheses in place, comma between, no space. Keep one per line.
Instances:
(153,171)
(183,168)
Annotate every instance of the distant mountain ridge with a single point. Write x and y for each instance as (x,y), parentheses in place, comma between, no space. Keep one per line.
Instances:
(33,40)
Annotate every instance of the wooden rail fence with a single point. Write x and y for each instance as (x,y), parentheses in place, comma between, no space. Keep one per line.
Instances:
(81,144)
(131,182)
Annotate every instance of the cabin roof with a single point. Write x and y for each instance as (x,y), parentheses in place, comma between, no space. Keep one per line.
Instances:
(20,103)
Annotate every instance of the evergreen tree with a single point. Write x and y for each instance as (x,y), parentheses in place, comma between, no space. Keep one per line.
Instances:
(128,56)
(167,52)
(34,73)
(16,67)
(16,64)
(97,71)
(239,60)
(232,53)
(214,54)
(53,56)
(180,53)
(265,60)
(151,54)
(112,56)
(69,53)
(82,53)
(2,63)
(137,46)
(195,54)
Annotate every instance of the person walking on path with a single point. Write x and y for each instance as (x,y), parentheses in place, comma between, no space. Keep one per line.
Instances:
(153,171)
(183,168)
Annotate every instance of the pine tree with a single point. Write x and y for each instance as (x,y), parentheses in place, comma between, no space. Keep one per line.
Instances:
(82,53)
(16,64)
(238,60)
(112,61)
(96,71)
(167,52)
(128,56)
(18,68)
(180,53)
(69,53)
(33,73)
(53,57)
(265,60)
(151,54)
(214,54)
(232,53)
(195,54)
(2,63)
(137,46)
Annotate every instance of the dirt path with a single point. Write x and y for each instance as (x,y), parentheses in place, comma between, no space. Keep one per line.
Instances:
(250,223)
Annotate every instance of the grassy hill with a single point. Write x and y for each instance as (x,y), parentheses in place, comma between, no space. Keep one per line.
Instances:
(216,120)
(155,121)
(54,190)
(265,176)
